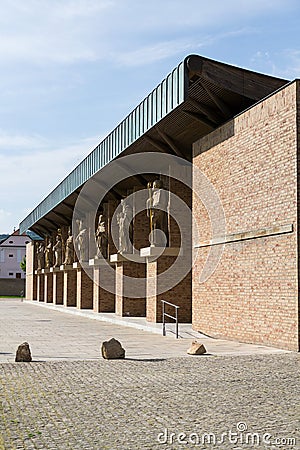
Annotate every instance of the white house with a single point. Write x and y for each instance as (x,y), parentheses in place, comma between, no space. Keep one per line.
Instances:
(12,251)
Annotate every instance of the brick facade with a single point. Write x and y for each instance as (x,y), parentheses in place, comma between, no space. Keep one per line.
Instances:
(103,301)
(251,161)
(125,305)
(48,287)
(84,293)
(252,164)
(58,288)
(70,287)
(179,295)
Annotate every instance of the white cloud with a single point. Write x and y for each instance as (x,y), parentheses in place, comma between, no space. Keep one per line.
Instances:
(43,31)
(5,221)
(153,53)
(284,64)
(51,58)
(28,176)
(292,63)
(9,142)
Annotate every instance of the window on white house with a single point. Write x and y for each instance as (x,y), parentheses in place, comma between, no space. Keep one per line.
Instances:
(10,242)
(19,255)
(10,274)
(10,256)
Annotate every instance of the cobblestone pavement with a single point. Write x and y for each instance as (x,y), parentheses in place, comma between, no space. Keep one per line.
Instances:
(70,398)
(138,404)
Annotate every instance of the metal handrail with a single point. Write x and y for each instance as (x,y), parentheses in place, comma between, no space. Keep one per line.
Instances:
(164,314)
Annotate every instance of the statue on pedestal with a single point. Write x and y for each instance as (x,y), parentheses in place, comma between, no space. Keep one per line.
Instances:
(101,238)
(157,206)
(40,256)
(57,250)
(124,220)
(81,241)
(48,253)
(69,249)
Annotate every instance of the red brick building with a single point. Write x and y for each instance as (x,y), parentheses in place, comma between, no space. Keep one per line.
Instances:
(233,136)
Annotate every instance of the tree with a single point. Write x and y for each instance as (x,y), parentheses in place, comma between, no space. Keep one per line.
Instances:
(23,264)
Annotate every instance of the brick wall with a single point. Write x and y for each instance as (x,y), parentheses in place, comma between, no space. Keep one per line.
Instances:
(252,163)
(179,295)
(84,292)
(58,288)
(103,300)
(128,305)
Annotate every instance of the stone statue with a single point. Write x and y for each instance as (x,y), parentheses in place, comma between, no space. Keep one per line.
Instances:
(57,250)
(157,206)
(69,249)
(82,241)
(48,253)
(101,238)
(124,219)
(40,256)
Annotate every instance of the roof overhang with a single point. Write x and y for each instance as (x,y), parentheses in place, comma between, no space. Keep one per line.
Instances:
(197,97)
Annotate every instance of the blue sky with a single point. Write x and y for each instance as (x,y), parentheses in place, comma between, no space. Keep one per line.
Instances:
(71,70)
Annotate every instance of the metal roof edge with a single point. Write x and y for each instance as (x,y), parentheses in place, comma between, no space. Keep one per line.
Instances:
(163,99)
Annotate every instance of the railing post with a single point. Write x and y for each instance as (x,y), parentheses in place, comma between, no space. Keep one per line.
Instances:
(163,317)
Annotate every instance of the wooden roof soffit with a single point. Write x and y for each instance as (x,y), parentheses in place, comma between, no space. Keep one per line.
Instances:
(61,217)
(170,143)
(244,82)
(138,178)
(51,222)
(44,231)
(69,207)
(87,200)
(114,192)
(201,118)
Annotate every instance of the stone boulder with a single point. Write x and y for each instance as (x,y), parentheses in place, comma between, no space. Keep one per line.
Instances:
(196,349)
(23,353)
(112,349)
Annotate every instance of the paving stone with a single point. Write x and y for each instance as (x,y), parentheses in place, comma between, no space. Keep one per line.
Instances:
(127,404)
(59,402)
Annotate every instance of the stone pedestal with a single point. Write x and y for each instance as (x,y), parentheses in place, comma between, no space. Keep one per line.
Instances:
(48,285)
(39,286)
(84,286)
(126,303)
(103,300)
(179,294)
(58,280)
(69,286)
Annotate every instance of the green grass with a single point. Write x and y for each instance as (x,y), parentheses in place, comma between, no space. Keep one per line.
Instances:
(10,296)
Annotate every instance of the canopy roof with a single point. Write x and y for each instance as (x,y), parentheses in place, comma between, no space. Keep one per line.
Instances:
(198,96)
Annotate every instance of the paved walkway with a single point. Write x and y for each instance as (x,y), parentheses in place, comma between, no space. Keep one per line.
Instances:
(57,333)
(239,397)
